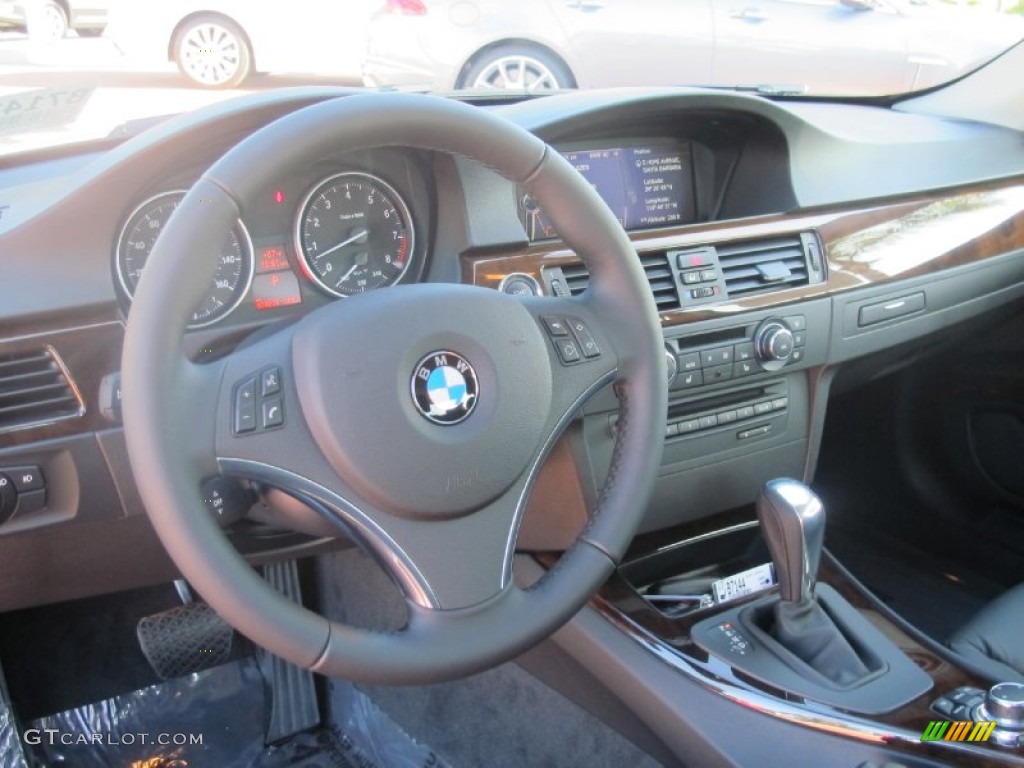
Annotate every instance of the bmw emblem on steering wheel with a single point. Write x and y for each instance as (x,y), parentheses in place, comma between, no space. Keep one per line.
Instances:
(444,387)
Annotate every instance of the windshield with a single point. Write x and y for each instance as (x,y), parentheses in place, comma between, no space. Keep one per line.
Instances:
(72,70)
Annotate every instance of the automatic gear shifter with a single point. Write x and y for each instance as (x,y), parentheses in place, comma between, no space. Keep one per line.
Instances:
(808,640)
(793,524)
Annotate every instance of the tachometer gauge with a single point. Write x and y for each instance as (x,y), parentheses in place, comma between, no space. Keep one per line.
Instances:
(234,259)
(354,233)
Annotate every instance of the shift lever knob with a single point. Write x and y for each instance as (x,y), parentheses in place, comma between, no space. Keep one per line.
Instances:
(793,524)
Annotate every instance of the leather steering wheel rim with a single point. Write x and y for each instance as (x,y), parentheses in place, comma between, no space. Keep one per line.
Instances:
(177,412)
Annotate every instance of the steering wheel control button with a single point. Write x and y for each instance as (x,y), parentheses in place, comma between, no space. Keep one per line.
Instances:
(270,381)
(258,404)
(568,351)
(586,340)
(555,326)
(245,406)
(573,348)
(445,387)
(273,412)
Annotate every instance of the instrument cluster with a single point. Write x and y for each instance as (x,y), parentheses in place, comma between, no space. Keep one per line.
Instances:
(342,228)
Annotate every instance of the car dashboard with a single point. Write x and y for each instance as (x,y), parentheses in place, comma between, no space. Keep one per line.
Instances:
(781,242)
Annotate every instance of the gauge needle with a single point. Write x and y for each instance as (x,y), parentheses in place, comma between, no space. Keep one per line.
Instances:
(360,234)
(361,260)
(344,277)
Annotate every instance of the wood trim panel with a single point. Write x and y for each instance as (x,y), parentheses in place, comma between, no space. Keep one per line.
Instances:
(866,244)
(625,607)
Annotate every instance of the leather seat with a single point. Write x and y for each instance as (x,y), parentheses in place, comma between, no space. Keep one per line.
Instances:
(994,639)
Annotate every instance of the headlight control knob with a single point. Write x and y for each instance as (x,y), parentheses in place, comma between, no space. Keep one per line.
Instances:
(773,344)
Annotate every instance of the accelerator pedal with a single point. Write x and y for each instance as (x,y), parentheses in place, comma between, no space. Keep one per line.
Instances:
(293,702)
(186,639)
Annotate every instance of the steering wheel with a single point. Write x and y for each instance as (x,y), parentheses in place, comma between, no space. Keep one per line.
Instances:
(415,418)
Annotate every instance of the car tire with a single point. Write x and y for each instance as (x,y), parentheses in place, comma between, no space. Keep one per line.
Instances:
(517,68)
(213,52)
(48,22)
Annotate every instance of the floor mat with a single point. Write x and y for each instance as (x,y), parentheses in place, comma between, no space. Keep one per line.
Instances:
(215,719)
(62,656)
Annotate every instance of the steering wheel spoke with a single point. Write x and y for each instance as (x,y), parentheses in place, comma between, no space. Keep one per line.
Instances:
(582,355)
(259,420)
(449,565)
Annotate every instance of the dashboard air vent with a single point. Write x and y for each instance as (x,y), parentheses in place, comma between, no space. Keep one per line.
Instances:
(577,278)
(35,389)
(756,266)
(659,276)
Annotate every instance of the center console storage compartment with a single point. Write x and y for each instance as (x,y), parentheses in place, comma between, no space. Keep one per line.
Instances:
(680,579)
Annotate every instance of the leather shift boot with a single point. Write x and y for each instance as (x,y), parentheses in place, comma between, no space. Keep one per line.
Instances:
(809,633)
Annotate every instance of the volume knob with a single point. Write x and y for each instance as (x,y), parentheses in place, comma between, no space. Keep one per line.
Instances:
(671,365)
(773,344)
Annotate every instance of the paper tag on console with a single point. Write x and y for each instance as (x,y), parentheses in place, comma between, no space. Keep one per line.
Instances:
(746,583)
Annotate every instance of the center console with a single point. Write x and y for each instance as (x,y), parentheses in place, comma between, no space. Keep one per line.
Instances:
(701,600)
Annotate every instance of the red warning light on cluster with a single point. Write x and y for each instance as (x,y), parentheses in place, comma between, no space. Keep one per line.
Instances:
(272,258)
(279,196)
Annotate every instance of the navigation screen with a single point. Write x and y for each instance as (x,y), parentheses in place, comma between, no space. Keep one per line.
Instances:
(644,186)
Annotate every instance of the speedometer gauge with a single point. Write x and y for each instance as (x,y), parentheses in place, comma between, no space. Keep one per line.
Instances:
(234,259)
(354,233)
